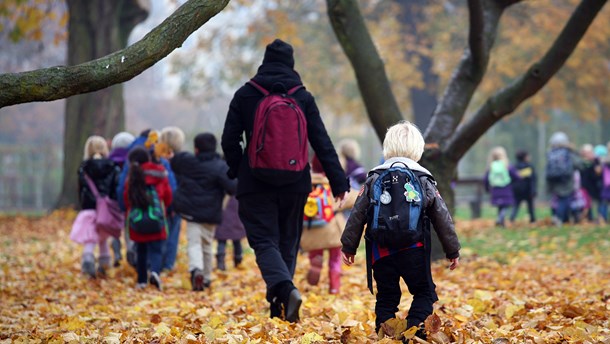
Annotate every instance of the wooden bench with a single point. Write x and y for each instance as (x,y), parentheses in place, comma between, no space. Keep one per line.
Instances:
(471,190)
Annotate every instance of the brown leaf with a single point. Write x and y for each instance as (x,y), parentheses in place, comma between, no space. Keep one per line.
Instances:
(433,323)
(155,319)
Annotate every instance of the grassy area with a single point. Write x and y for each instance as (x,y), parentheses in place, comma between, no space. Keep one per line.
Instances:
(463,212)
(504,243)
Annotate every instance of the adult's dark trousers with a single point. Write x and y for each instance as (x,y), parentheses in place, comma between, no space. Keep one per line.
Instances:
(274,223)
(413,267)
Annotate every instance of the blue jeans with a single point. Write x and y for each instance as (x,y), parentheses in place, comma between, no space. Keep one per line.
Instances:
(149,255)
(170,249)
(563,208)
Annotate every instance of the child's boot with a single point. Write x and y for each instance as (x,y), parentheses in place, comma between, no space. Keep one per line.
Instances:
(88,264)
(220,262)
(335,281)
(103,265)
(237,260)
(116,248)
(315,267)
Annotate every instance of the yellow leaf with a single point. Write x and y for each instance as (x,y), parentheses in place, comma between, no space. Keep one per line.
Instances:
(162,329)
(311,338)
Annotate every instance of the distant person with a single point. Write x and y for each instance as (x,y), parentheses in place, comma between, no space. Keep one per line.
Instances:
(561,162)
(404,257)
(202,186)
(590,178)
(605,177)
(147,191)
(498,181)
(580,204)
(104,174)
(524,188)
(349,153)
(118,154)
(272,200)
(230,229)
(173,139)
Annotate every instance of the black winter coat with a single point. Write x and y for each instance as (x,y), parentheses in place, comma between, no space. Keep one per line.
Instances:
(104,173)
(202,185)
(525,187)
(240,119)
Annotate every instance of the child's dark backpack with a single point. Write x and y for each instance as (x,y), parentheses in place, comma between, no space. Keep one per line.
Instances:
(151,219)
(559,166)
(278,150)
(396,209)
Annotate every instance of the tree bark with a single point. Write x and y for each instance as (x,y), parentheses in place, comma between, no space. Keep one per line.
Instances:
(96,28)
(65,81)
(350,29)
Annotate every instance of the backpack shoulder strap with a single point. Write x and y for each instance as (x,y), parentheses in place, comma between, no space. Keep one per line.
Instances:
(92,186)
(260,88)
(295,89)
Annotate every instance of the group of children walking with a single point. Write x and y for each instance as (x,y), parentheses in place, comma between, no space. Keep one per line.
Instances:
(575,180)
(157,184)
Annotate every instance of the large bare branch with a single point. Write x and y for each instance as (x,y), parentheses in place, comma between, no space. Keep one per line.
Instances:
(508,99)
(351,31)
(64,81)
(484,19)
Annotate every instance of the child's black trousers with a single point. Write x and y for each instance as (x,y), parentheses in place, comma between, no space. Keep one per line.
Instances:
(414,268)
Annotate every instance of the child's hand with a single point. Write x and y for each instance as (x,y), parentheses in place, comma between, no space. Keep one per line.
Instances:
(348,259)
(455,262)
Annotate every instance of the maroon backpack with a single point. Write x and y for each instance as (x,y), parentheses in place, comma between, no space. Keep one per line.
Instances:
(278,152)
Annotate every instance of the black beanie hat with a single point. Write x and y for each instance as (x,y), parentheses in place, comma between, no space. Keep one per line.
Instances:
(205,142)
(279,51)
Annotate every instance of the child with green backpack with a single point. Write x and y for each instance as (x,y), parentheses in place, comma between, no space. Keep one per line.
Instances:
(147,194)
(498,182)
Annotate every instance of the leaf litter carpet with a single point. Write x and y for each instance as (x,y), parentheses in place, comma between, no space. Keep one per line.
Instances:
(529,298)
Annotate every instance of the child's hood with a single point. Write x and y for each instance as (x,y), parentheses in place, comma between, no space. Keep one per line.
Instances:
(154,173)
(413,165)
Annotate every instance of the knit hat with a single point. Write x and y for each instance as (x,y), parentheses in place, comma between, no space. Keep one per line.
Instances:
(279,51)
(559,139)
(122,140)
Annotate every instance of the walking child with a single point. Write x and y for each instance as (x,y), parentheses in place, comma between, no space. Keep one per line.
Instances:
(498,181)
(104,174)
(202,186)
(147,195)
(398,242)
(524,188)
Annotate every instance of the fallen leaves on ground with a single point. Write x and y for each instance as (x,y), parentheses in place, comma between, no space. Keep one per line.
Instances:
(533,298)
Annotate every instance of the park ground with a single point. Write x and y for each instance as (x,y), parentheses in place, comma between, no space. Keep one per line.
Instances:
(520,284)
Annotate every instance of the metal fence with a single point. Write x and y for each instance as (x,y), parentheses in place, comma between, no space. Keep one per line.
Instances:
(30,177)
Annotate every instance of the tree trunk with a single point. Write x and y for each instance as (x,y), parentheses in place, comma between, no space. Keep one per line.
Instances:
(96,28)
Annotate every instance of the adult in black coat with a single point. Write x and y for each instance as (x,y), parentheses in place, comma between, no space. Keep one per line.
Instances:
(273,215)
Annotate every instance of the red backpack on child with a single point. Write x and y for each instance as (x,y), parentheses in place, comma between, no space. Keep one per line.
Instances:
(278,151)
